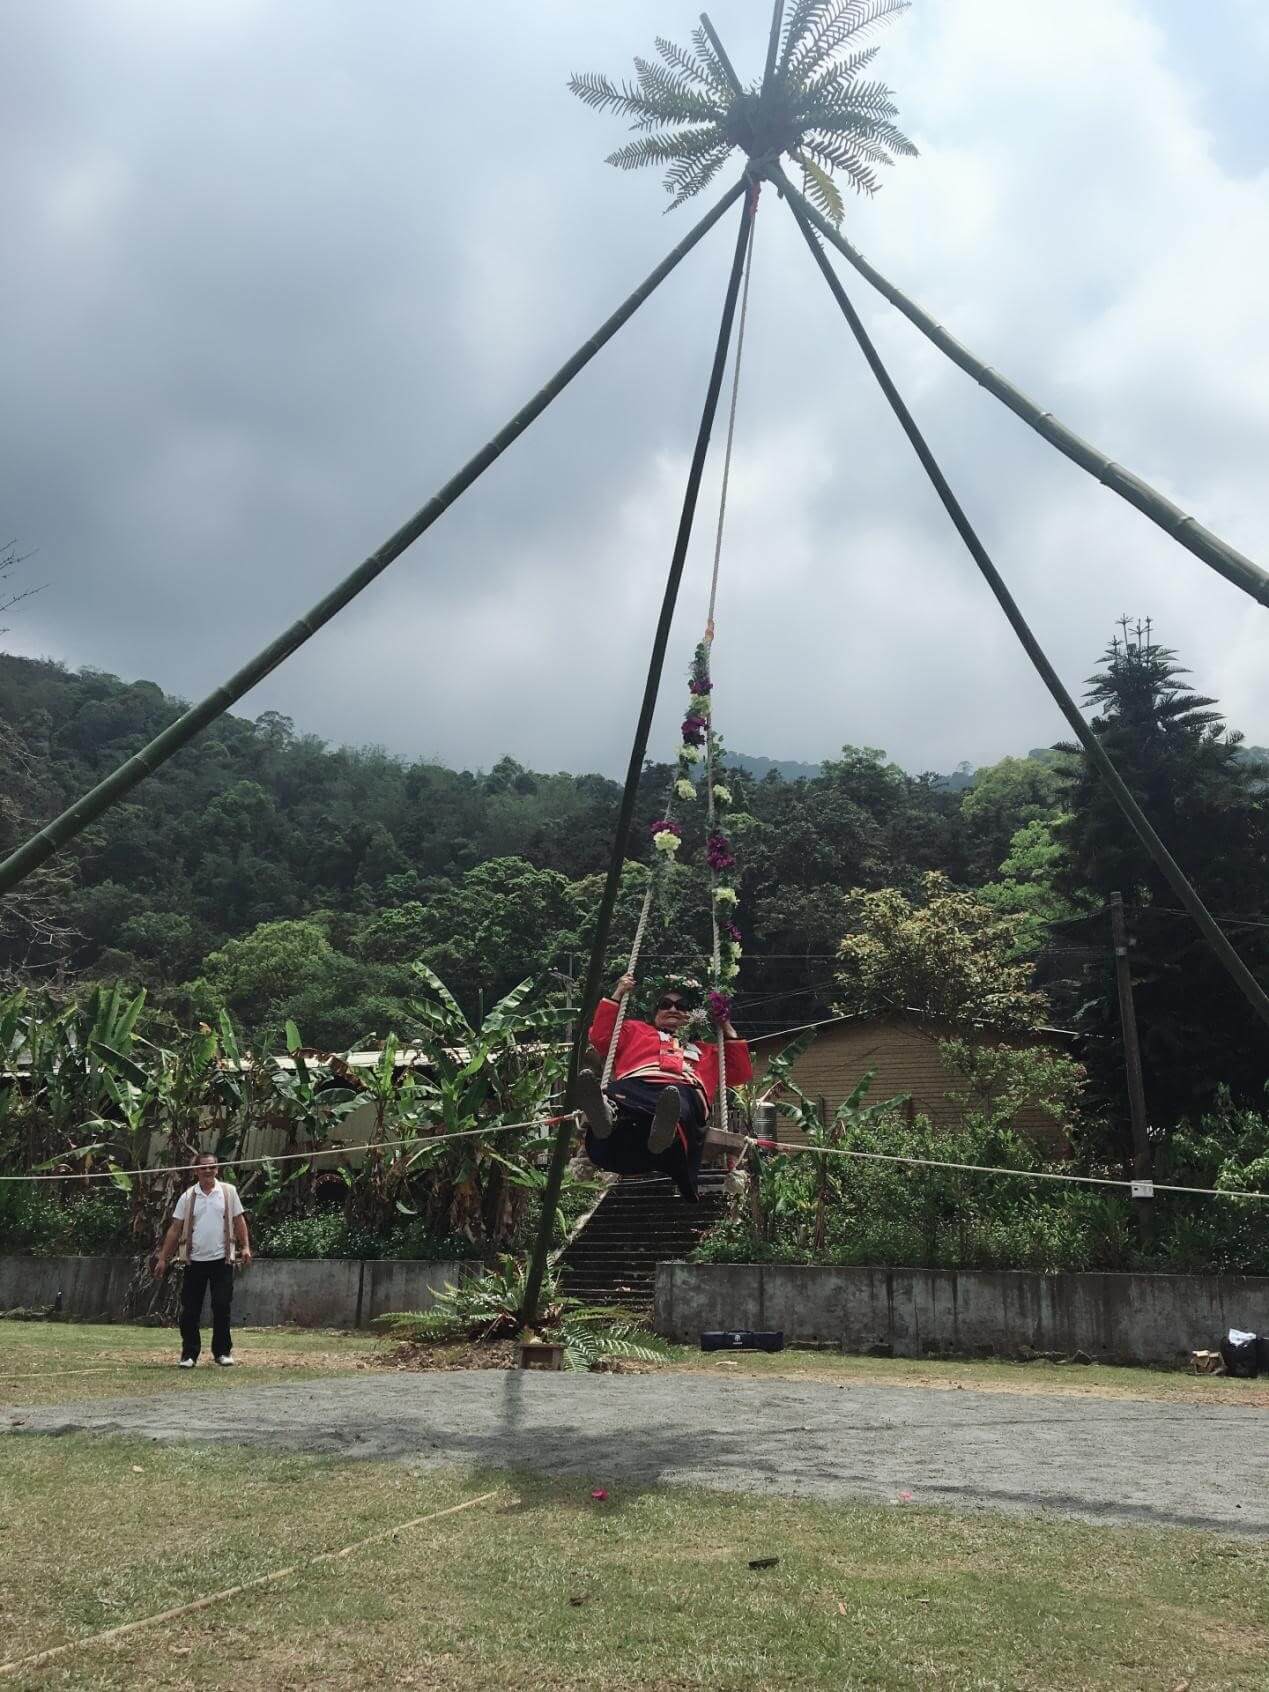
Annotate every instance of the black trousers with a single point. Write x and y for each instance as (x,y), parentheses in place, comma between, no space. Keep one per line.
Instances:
(219,1276)
(626,1149)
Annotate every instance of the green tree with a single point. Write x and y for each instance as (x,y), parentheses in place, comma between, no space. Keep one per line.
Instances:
(1028,885)
(947,956)
(290,971)
(482,933)
(1208,801)
(1004,798)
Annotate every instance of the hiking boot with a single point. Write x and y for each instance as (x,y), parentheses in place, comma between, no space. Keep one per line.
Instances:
(588,1096)
(665,1119)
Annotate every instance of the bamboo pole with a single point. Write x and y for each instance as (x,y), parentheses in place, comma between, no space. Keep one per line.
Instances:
(1091,743)
(1226,560)
(773,45)
(721,52)
(51,838)
(638,751)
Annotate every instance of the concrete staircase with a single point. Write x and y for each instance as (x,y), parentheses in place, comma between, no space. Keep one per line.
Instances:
(640,1221)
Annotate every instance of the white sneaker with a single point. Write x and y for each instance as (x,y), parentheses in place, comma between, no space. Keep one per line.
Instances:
(187,1363)
(225,1362)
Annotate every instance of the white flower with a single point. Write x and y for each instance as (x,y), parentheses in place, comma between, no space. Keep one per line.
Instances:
(685,789)
(691,754)
(665,840)
(724,895)
(722,794)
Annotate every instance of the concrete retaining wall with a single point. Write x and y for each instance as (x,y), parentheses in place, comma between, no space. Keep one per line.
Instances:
(1125,1318)
(304,1292)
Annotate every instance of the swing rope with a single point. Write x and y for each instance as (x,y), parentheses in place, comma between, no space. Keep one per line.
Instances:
(657,878)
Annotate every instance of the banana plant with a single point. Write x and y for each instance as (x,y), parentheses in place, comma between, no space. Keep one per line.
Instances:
(56,1055)
(506,1069)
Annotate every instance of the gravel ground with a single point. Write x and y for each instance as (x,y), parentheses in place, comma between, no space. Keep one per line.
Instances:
(1096,1459)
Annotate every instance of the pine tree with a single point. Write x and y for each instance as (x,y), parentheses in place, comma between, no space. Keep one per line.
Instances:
(1208,801)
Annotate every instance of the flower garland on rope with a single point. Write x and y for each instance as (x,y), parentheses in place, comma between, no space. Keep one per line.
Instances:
(699,744)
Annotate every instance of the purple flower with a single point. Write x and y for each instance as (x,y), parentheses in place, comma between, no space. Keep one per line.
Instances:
(694,730)
(719,1008)
(733,933)
(700,684)
(718,852)
(667,825)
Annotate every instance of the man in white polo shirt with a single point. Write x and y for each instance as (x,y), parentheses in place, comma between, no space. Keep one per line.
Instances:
(209,1229)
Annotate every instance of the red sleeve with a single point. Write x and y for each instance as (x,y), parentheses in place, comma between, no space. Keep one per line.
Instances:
(739,1066)
(605,1021)
(707,1069)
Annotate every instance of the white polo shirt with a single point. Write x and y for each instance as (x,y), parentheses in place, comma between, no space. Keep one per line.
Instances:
(208,1243)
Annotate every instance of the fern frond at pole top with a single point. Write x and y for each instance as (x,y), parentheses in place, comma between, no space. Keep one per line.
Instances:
(816,107)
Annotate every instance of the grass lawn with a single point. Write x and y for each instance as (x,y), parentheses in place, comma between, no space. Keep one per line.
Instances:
(55,1362)
(545,1586)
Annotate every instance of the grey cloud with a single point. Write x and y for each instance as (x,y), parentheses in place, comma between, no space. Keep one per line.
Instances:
(277,273)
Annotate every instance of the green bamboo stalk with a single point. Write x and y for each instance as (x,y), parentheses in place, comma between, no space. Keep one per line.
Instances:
(50,839)
(1140,823)
(773,45)
(721,52)
(1226,560)
(634,769)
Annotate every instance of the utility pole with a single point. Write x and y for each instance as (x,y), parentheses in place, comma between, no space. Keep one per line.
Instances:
(1142,1157)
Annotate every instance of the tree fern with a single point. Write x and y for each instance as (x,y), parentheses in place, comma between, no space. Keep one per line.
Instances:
(823,192)
(819,110)
(485,1308)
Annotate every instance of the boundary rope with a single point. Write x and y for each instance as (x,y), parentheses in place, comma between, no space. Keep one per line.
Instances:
(419,1140)
(995,1169)
(38,1658)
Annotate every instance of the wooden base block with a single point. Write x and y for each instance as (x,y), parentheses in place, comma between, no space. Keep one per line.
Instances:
(541,1354)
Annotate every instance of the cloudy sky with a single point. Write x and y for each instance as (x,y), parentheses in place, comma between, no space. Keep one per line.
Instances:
(274,269)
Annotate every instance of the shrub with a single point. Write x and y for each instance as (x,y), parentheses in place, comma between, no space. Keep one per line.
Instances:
(43,1224)
(330,1234)
(817,1208)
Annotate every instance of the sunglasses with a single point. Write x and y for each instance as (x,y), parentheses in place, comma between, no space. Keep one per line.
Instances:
(671,1004)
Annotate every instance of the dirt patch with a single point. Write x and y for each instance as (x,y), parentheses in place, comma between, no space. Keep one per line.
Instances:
(448,1355)
(1094,1459)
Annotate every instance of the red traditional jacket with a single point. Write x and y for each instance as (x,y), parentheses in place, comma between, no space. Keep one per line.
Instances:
(646,1053)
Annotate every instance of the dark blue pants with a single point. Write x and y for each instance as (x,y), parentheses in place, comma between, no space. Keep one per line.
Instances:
(625,1151)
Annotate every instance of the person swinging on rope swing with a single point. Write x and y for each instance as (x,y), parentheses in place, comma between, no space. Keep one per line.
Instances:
(663,1086)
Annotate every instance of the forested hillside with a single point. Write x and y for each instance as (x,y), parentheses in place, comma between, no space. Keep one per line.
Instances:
(267,871)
